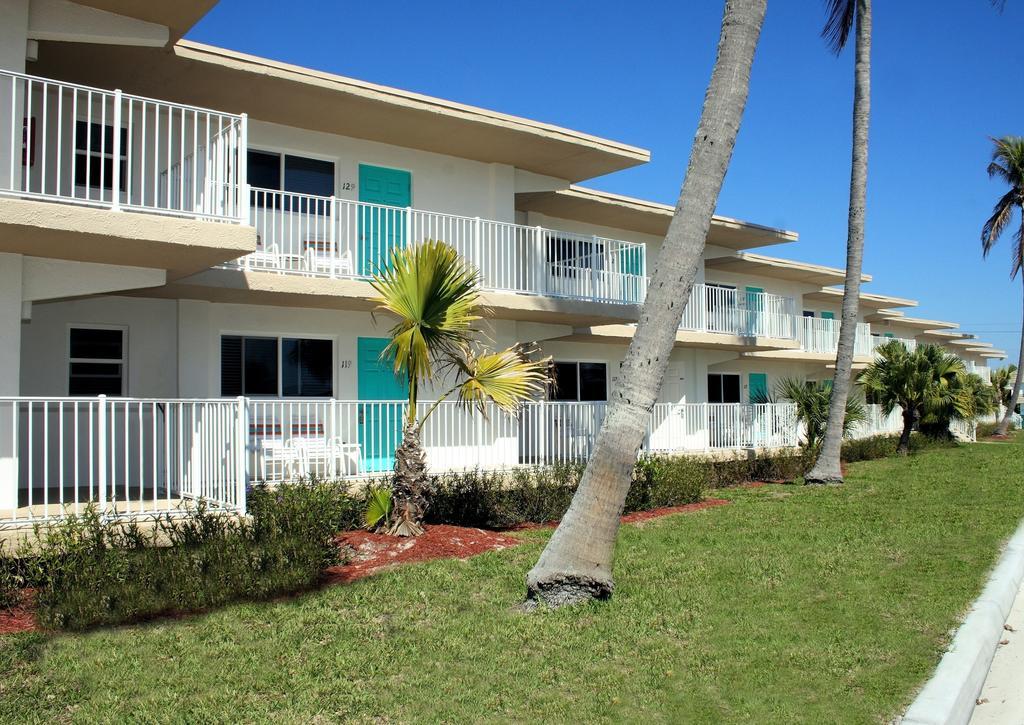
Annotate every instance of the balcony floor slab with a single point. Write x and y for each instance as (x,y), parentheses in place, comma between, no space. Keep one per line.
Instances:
(181,246)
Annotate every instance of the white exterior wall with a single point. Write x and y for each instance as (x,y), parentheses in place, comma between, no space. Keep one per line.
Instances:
(439,183)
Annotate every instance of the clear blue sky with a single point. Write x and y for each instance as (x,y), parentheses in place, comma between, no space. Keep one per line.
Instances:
(946,76)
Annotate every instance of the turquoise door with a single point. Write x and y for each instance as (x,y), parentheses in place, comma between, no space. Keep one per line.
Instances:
(758,386)
(631,265)
(382,227)
(755,306)
(380,424)
(828,315)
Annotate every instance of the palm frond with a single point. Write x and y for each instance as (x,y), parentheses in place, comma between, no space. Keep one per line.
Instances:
(839,23)
(1002,213)
(434,294)
(507,378)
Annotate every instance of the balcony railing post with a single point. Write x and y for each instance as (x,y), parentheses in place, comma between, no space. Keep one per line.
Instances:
(242,182)
(115,181)
(542,277)
(477,260)
(241,454)
(101,450)
(332,235)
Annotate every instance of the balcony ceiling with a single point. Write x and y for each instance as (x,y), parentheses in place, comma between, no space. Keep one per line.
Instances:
(867,301)
(639,215)
(916,322)
(758,264)
(177,15)
(290,95)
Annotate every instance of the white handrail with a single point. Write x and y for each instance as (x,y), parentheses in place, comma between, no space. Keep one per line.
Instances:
(332,237)
(76,144)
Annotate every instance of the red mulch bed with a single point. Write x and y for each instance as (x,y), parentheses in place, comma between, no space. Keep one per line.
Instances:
(640,515)
(19,619)
(372,552)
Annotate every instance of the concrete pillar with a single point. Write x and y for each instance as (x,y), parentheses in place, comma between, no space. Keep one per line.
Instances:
(10,371)
(198,351)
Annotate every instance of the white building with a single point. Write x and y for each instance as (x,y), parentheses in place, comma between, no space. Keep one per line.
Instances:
(205,272)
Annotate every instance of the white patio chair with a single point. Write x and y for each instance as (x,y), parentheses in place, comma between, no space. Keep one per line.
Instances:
(320,260)
(279,456)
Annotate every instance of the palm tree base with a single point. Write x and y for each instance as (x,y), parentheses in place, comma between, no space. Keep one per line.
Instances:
(409,485)
(822,476)
(562,589)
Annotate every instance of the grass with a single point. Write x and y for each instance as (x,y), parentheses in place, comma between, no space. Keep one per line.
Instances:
(792,604)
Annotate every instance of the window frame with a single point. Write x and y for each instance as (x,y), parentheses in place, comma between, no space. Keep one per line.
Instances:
(123,361)
(721,376)
(279,338)
(93,155)
(577,363)
(281,154)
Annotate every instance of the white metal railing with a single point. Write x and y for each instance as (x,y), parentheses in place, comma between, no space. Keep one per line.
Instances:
(332,237)
(878,340)
(821,335)
(144,457)
(739,312)
(981,371)
(128,456)
(703,426)
(878,423)
(964,430)
(72,143)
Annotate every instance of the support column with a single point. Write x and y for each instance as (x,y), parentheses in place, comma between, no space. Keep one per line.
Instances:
(10,373)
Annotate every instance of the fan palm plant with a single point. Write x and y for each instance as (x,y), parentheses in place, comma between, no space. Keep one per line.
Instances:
(434,293)
(1002,382)
(1008,165)
(812,402)
(919,382)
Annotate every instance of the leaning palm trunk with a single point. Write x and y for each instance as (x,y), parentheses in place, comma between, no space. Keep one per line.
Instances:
(827,468)
(409,484)
(576,564)
(1004,424)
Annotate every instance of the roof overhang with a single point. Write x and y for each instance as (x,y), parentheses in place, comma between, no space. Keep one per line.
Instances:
(177,15)
(916,322)
(293,96)
(970,342)
(995,355)
(867,301)
(758,264)
(640,215)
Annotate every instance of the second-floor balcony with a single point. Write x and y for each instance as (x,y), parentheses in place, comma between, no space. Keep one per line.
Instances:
(332,237)
(878,340)
(820,335)
(75,144)
(747,313)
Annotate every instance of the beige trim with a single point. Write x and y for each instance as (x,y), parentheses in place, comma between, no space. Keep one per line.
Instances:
(640,215)
(759,264)
(801,355)
(918,322)
(622,334)
(136,239)
(178,15)
(289,290)
(303,98)
(867,300)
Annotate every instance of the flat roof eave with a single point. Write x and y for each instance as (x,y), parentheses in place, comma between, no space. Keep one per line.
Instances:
(642,215)
(290,95)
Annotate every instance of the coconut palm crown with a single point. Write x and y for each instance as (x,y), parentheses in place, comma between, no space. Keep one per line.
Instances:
(1007,165)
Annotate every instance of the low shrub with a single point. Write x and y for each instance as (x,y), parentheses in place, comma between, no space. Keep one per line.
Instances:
(505,499)
(88,571)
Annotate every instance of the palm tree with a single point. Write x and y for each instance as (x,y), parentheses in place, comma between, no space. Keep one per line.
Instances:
(842,16)
(919,382)
(434,294)
(1002,381)
(812,404)
(1008,164)
(576,564)
(972,399)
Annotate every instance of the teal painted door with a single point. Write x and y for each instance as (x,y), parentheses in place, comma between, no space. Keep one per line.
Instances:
(631,265)
(755,305)
(828,315)
(757,386)
(382,227)
(380,424)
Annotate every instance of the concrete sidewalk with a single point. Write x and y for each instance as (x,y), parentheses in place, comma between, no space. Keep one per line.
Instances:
(1002,696)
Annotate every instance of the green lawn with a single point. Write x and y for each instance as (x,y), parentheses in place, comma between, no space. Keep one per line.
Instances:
(791,604)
